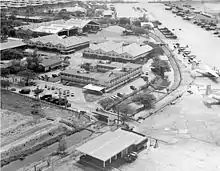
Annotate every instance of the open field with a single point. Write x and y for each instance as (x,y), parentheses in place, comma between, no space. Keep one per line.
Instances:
(9,118)
(22,104)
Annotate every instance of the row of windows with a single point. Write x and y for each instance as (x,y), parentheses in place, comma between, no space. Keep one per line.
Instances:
(47,45)
(77,76)
(110,54)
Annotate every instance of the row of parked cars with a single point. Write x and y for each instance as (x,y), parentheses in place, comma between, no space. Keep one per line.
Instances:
(167,33)
(55,100)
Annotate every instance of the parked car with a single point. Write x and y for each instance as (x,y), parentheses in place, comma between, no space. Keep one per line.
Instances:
(46,96)
(54,75)
(68,105)
(133,87)
(119,95)
(13,89)
(25,91)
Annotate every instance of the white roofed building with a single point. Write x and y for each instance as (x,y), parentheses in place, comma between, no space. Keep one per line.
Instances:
(119,52)
(55,42)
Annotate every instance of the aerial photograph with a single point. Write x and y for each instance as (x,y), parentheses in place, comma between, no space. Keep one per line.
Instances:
(110,85)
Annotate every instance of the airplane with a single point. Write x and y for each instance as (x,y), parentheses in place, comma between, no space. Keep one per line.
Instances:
(207,72)
(210,97)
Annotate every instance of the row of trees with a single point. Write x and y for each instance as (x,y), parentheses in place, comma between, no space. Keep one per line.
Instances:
(11,54)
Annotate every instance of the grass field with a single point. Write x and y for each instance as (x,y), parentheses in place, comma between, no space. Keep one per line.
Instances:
(23,105)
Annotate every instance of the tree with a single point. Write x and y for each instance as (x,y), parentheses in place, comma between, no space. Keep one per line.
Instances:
(90,13)
(160,66)
(5,72)
(145,99)
(37,92)
(125,108)
(5,84)
(139,30)
(62,146)
(137,23)
(27,75)
(11,54)
(124,21)
(4,30)
(106,102)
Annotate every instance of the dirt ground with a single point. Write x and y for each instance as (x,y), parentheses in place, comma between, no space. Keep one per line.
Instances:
(17,103)
(9,118)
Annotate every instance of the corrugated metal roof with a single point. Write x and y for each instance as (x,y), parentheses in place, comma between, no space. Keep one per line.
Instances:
(49,62)
(55,40)
(131,50)
(80,23)
(109,144)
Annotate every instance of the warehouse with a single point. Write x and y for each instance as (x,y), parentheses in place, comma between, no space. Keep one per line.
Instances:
(102,77)
(50,64)
(108,147)
(70,27)
(118,52)
(57,43)
(59,29)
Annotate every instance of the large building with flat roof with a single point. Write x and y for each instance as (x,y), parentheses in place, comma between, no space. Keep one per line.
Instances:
(108,147)
(62,27)
(119,52)
(102,77)
(55,42)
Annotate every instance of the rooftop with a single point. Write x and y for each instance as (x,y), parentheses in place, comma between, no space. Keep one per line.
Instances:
(53,28)
(55,40)
(104,78)
(109,144)
(11,44)
(131,50)
(80,23)
(50,61)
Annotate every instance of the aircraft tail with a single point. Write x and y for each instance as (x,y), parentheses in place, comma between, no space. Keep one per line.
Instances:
(208,90)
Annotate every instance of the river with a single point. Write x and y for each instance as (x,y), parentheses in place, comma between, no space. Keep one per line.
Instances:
(202,43)
(71,140)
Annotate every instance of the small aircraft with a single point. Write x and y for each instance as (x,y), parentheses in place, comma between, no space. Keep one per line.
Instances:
(211,98)
(207,71)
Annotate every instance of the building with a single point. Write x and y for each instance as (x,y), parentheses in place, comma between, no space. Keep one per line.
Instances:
(119,52)
(69,27)
(26,3)
(102,77)
(50,64)
(59,29)
(12,43)
(108,147)
(34,19)
(108,13)
(6,63)
(57,43)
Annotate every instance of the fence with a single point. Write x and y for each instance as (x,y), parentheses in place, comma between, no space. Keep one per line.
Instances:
(51,104)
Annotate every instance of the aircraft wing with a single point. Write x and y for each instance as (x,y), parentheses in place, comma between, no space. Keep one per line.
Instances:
(216,97)
(210,71)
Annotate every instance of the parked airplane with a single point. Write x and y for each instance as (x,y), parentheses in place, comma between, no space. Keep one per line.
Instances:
(207,71)
(211,97)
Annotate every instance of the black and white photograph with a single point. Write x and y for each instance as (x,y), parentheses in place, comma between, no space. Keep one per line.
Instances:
(110,85)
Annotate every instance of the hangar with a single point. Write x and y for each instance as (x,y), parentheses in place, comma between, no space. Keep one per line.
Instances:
(108,147)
